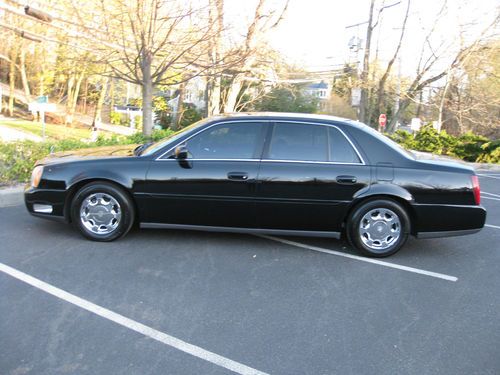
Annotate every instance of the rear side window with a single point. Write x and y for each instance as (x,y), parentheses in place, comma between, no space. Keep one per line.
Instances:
(299,142)
(309,142)
(340,149)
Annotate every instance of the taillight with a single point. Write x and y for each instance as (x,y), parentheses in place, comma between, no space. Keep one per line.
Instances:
(476,189)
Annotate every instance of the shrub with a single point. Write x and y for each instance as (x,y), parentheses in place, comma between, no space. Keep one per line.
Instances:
(491,152)
(115,118)
(18,158)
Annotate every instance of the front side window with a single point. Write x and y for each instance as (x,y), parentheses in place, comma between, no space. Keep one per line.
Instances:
(299,142)
(227,141)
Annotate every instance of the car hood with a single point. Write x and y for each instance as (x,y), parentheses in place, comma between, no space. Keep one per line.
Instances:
(89,154)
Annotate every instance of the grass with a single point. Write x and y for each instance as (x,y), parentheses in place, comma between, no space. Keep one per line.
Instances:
(55,132)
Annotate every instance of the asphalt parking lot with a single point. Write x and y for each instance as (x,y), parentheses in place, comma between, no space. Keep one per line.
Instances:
(179,302)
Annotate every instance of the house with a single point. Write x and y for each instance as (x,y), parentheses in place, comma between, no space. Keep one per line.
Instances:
(320,90)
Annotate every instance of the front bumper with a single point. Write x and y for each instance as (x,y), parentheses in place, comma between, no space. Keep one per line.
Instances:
(434,220)
(46,203)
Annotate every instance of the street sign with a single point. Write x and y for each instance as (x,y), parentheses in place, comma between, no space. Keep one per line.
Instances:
(42,99)
(42,105)
(415,124)
(355,97)
(382,120)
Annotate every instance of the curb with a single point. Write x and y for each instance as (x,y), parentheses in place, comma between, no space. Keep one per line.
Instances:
(12,196)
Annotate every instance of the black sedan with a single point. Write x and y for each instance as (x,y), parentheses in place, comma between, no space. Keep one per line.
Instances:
(285,174)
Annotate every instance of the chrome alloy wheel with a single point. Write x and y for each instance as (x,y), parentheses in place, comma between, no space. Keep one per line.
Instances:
(379,228)
(100,213)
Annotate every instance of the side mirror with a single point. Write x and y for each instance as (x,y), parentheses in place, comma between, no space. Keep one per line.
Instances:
(181,152)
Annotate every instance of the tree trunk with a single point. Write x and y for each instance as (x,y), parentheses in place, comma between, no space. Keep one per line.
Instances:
(12,80)
(24,77)
(69,99)
(213,92)
(147,94)
(176,121)
(232,94)
(100,102)
(366,66)
(76,92)
(216,15)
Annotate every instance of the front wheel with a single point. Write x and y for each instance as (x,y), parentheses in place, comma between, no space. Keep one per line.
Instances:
(102,211)
(378,228)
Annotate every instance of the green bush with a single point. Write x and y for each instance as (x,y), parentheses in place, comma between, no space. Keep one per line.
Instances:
(18,158)
(491,152)
(469,147)
(115,118)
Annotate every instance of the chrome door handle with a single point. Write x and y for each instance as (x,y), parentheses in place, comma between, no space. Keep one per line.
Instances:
(346,179)
(239,176)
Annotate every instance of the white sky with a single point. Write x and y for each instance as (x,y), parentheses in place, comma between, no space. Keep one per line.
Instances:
(314,34)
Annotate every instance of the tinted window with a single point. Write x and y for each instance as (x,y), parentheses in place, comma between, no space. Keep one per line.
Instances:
(227,141)
(341,150)
(299,142)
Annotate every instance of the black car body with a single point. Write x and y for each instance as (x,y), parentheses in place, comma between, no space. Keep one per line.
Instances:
(287,174)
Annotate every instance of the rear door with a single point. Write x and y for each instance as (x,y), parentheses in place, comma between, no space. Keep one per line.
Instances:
(308,176)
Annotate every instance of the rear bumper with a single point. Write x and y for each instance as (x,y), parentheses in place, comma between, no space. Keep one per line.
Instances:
(46,203)
(447,220)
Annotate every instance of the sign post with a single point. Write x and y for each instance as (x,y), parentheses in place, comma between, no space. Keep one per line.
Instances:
(382,120)
(42,105)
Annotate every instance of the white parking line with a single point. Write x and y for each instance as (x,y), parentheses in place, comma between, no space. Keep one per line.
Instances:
(491,198)
(492,226)
(489,176)
(362,259)
(132,324)
(493,195)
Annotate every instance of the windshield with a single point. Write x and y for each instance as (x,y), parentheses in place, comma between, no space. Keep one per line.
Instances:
(151,149)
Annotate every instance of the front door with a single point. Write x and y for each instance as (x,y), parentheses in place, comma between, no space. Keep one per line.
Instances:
(215,185)
(308,177)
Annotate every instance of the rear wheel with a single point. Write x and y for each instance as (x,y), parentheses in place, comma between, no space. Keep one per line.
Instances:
(378,228)
(102,211)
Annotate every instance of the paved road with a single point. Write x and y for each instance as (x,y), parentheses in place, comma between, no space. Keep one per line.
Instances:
(8,135)
(274,307)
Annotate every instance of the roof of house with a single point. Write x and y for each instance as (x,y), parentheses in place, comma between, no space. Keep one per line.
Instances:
(321,85)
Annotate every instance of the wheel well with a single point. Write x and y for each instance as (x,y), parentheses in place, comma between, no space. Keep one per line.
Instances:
(73,189)
(403,202)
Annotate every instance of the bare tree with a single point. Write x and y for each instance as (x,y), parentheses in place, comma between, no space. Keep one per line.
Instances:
(263,21)
(424,77)
(148,42)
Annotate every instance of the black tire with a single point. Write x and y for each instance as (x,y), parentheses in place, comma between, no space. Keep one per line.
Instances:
(124,207)
(358,235)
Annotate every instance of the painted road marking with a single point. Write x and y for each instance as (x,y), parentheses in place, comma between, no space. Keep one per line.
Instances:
(493,195)
(497,177)
(362,259)
(132,324)
(492,226)
(491,198)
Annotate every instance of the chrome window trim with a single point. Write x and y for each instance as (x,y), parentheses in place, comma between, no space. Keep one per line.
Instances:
(308,162)
(160,158)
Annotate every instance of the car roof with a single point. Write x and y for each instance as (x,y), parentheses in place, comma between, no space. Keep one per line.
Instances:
(283,116)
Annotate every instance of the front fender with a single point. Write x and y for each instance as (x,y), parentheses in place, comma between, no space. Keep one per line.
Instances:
(98,174)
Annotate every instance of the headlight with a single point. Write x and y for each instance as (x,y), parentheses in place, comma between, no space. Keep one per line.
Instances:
(36,176)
